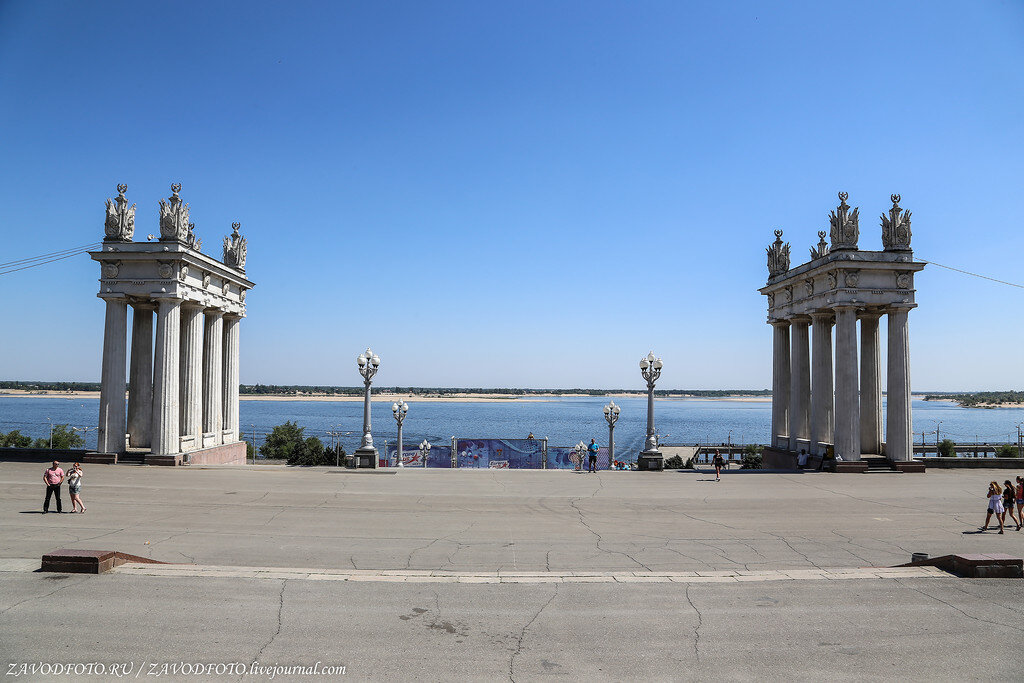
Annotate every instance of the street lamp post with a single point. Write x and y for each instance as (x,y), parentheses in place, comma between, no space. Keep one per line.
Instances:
(424,451)
(399,409)
(611,414)
(651,458)
(368,362)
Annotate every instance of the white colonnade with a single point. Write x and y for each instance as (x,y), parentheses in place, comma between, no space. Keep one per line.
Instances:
(184,369)
(818,404)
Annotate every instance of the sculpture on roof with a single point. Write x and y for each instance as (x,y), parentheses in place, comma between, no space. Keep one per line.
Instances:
(120,223)
(174,223)
(822,248)
(778,256)
(896,227)
(234,249)
(845,225)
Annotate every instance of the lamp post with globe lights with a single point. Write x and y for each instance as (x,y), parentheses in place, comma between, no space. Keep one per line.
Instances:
(650,458)
(399,409)
(368,362)
(580,449)
(611,414)
(424,451)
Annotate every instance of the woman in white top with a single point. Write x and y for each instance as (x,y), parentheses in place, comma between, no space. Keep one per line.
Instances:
(995,505)
(75,487)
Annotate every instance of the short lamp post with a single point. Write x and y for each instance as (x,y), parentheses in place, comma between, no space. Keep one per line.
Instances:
(368,362)
(611,414)
(580,449)
(650,458)
(424,451)
(399,410)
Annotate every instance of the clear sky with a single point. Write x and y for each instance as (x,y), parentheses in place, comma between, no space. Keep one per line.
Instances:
(515,194)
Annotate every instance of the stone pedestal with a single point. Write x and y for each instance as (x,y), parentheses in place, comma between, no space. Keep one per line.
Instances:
(366,457)
(652,461)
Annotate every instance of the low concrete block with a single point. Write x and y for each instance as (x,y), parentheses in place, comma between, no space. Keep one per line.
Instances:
(79,561)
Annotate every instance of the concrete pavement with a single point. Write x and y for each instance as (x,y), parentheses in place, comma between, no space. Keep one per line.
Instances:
(488,575)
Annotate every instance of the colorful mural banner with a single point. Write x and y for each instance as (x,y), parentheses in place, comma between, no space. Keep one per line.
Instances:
(564,458)
(500,453)
(439,456)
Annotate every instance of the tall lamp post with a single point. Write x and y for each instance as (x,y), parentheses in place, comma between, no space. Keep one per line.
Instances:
(424,451)
(399,410)
(611,414)
(651,458)
(580,449)
(368,362)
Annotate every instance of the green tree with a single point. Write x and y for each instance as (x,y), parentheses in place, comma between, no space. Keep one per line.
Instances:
(1007,450)
(15,439)
(283,441)
(947,448)
(63,438)
(250,451)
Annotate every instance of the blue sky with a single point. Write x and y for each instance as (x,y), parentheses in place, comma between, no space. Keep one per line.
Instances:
(515,194)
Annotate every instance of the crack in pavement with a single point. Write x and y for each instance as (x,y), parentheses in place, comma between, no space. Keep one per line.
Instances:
(790,545)
(408,560)
(954,607)
(583,521)
(280,608)
(522,636)
(40,597)
(696,629)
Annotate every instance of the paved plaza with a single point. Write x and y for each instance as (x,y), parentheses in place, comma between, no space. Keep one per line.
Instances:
(490,575)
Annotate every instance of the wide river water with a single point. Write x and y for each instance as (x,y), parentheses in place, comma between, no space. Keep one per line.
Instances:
(564,421)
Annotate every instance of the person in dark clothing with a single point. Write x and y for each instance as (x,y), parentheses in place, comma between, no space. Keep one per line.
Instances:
(592,456)
(718,462)
(53,478)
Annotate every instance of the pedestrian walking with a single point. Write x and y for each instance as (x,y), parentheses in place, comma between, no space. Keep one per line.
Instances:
(53,478)
(1008,500)
(75,487)
(995,505)
(718,465)
(1020,501)
(592,456)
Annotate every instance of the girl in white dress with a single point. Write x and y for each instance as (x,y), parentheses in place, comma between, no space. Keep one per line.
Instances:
(995,505)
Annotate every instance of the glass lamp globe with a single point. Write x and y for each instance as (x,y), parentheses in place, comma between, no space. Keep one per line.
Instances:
(361,359)
(650,357)
(607,410)
(658,364)
(394,407)
(644,363)
(375,360)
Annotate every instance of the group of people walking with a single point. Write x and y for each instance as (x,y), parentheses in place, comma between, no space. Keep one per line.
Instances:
(54,477)
(1002,499)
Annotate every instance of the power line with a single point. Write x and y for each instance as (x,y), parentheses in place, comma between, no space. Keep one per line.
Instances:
(43,263)
(967,272)
(52,253)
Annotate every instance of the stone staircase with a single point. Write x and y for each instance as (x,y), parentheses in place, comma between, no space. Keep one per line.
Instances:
(878,464)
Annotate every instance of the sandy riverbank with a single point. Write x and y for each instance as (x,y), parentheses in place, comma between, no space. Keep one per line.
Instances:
(422,398)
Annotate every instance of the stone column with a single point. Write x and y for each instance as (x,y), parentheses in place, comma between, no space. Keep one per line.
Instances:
(110,435)
(780,385)
(847,386)
(213,379)
(165,378)
(231,333)
(898,437)
(870,385)
(822,395)
(800,383)
(140,376)
(191,393)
